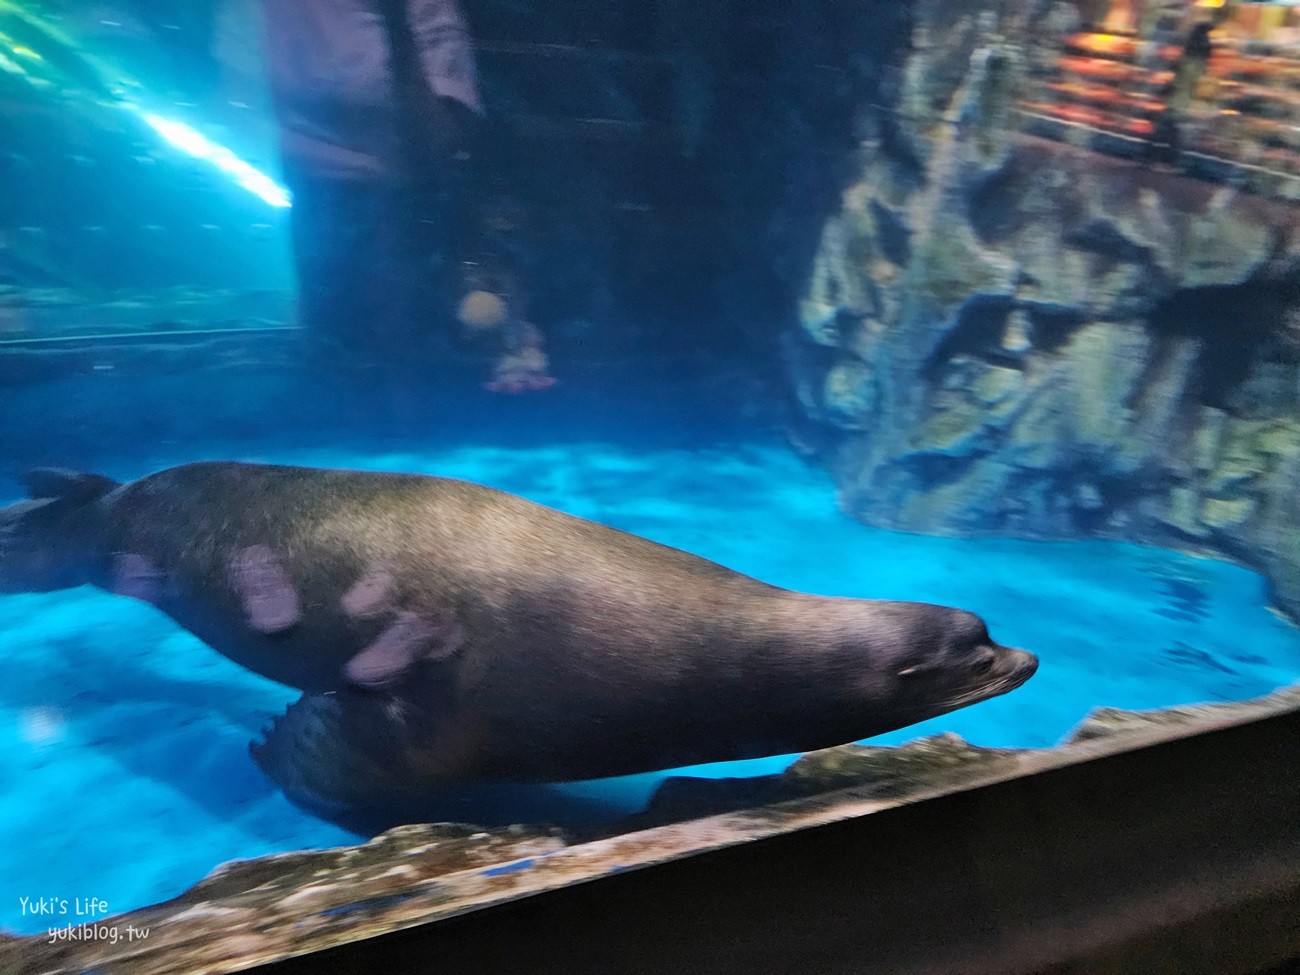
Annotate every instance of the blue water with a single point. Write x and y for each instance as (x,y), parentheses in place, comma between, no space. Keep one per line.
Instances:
(126,775)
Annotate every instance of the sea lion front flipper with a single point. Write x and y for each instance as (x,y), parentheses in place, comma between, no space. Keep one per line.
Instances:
(335,752)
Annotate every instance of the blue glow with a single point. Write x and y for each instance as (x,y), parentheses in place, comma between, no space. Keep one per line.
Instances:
(177,134)
(118,713)
(196,144)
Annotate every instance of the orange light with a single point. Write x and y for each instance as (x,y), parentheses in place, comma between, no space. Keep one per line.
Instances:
(1120,17)
(1103,43)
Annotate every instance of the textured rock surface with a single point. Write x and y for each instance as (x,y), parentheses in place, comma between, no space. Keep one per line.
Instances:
(256,909)
(1007,335)
(944,761)
(380,867)
(1109,722)
(250,912)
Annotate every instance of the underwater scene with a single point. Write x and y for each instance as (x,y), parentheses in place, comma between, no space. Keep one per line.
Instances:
(486,412)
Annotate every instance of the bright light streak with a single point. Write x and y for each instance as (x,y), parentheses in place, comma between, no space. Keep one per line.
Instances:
(184,137)
(196,144)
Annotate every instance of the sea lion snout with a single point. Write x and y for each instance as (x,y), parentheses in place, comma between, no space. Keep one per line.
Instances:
(993,670)
(985,662)
(948,660)
(1018,665)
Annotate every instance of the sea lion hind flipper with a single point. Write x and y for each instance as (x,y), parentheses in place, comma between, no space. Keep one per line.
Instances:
(50,541)
(64,483)
(335,752)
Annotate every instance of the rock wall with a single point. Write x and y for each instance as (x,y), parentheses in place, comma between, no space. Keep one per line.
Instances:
(1004,334)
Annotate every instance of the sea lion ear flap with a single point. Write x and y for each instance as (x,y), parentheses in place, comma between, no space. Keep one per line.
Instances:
(63,483)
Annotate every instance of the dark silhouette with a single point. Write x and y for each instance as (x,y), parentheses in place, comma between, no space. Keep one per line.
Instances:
(376,100)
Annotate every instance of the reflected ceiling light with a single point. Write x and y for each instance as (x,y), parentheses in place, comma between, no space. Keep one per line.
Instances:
(195,143)
(177,134)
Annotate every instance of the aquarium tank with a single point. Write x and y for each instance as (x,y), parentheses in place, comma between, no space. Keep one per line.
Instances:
(977,323)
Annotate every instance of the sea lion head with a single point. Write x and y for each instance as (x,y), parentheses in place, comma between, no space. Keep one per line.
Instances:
(929,660)
(897,663)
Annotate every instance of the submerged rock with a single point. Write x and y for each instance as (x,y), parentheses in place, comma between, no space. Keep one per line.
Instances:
(1110,722)
(252,912)
(883,772)
(920,765)
(405,854)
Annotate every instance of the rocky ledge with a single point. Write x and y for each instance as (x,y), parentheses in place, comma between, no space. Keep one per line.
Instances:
(1003,334)
(252,912)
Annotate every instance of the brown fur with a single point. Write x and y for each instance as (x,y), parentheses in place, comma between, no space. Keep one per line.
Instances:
(586,651)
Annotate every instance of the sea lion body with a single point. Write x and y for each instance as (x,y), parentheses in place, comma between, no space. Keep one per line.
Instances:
(444,631)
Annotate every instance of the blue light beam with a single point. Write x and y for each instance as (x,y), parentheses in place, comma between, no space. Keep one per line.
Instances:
(189,140)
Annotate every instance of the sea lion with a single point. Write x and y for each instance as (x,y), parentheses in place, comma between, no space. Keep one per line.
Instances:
(444,632)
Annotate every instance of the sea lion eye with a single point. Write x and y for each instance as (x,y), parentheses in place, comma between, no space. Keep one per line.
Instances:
(982,666)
